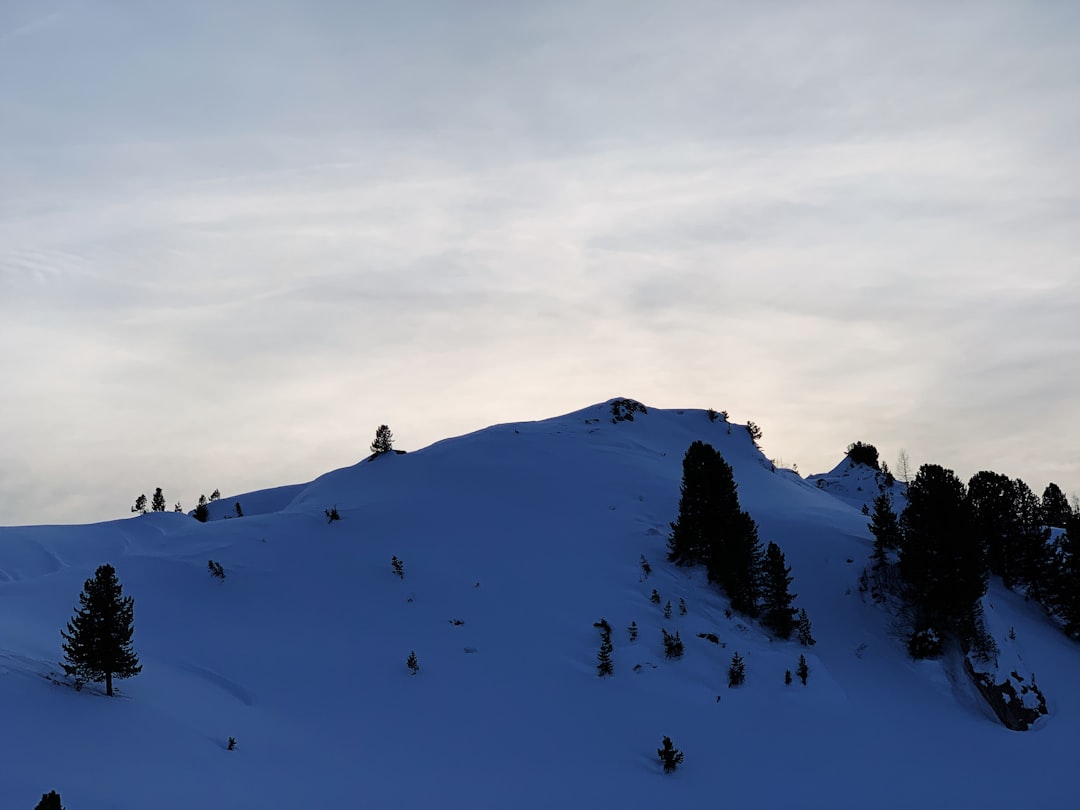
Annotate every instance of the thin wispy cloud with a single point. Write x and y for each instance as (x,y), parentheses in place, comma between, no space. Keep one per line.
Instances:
(233,239)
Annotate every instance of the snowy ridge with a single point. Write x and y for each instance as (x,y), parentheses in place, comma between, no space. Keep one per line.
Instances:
(515,540)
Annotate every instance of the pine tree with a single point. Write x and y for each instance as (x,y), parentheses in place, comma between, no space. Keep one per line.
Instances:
(1056,509)
(412,663)
(646,569)
(215,569)
(803,669)
(157,503)
(670,756)
(941,560)
(673,645)
(667,610)
(803,632)
(97,642)
(239,511)
(777,612)
(383,442)
(231,744)
(604,665)
(202,511)
(215,494)
(633,631)
(140,505)
(49,801)
(736,673)
(655,597)
(398,566)
(700,505)
(331,514)
(178,507)
(755,434)
(682,606)
(787,677)
(886,530)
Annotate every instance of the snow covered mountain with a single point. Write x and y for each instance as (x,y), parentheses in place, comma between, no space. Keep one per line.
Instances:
(514,540)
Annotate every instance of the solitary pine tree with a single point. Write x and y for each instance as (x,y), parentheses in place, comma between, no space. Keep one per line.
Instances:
(670,756)
(777,613)
(97,642)
(736,673)
(803,670)
(604,665)
(140,505)
(202,511)
(633,631)
(49,801)
(383,442)
(157,503)
(412,663)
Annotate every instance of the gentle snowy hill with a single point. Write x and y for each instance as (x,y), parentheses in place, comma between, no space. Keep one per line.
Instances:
(515,540)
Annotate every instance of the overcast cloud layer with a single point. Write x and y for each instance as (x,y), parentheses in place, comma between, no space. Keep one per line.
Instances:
(235,240)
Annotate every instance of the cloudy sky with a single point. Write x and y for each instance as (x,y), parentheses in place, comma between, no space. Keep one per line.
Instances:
(236,237)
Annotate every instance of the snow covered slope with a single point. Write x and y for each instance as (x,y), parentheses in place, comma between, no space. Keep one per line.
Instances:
(515,540)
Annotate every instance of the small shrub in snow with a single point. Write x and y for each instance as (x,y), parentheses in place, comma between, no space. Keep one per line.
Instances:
(682,606)
(803,669)
(713,415)
(736,673)
(49,801)
(215,495)
(655,596)
(231,745)
(633,630)
(667,610)
(412,663)
(331,514)
(398,566)
(215,569)
(755,433)
(787,677)
(239,511)
(670,756)
(646,569)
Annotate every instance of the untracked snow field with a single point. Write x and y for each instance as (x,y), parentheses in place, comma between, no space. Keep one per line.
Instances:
(515,540)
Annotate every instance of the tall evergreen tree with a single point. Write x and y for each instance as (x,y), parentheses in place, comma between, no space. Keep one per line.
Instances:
(1055,506)
(140,505)
(1062,588)
(202,510)
(736,563)
(776,600)
(806,638)
(941,561)
(604,665)
(97,642)
(157,503)
(886,530)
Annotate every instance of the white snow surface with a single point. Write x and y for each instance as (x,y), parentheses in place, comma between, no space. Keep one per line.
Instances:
(528,533)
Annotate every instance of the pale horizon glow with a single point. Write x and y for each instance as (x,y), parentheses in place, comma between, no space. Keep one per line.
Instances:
(233,241)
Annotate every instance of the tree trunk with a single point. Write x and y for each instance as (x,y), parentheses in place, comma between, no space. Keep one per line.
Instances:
(108,684)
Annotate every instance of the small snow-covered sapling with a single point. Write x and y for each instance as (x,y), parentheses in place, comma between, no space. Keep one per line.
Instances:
(398,566)
(232,744)
(412,663)
(670,756)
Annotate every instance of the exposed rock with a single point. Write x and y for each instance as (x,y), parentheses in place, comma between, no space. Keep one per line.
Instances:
(1017,703)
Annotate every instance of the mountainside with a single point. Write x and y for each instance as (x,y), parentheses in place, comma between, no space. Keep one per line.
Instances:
(514,540)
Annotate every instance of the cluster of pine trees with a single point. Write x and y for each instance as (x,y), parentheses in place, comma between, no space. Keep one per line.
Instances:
(951,537)
(713,530)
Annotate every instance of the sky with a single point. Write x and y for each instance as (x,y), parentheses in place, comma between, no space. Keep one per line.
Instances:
(235,238)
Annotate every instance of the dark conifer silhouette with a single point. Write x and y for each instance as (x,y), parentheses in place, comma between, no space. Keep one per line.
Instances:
(140,505)
(398,566)
(412,663)
(736,673)
(383,441)
(202,511)
(886,530)
(49,801)
(1055,506)
(604,664)
(803,669)
(97,642)
(157,503)
(633,631)
(776,605)
(670,756)
(803,630)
